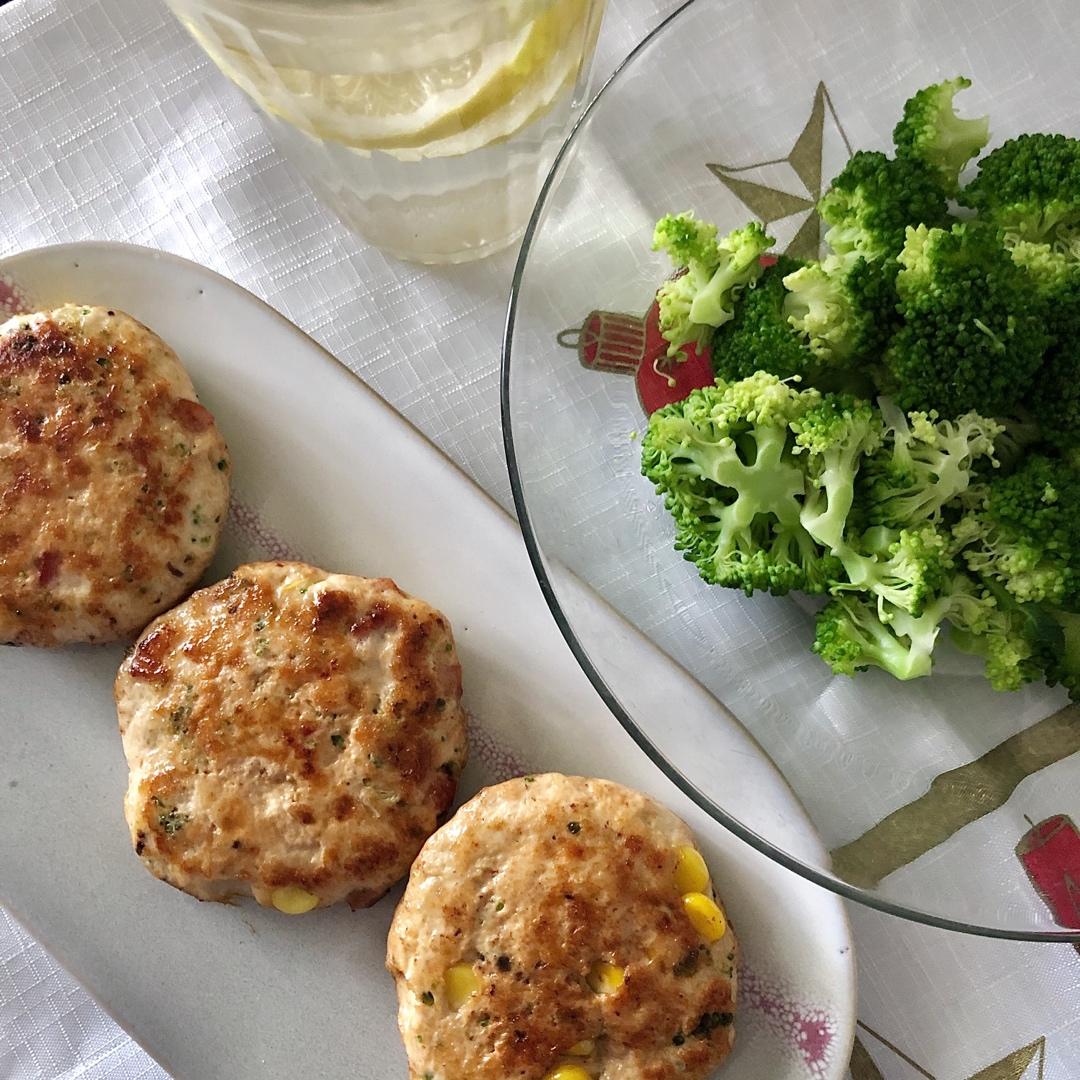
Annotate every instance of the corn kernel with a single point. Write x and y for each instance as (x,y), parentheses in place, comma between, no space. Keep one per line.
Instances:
(292,900)
(605,978)
(691,873)
(460,982)
(568,1072)
(705,916)
(582,1049)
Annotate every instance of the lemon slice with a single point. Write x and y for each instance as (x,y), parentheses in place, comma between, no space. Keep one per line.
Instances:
(385,109)
(552,83)
(553,36)
(504,84)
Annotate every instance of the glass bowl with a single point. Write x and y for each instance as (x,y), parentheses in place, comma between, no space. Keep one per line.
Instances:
(938,799)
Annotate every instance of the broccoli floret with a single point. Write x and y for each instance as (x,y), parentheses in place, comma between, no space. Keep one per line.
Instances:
(1053,262)
(685,239)
(973,331)
(1063,311)
(874,199)
(714,271)
(1008,656)
(851,635)
(1052,638)
(1029,187)
(902,569)
(1053,400)
(759,338)
(1025,533)
(723,460)
(844,310)
(1060,650)
(1002,635)
(689,243)
(832,437)
(1023,643)
(1054,397)
(854,633)
(923,464)
(931,132)
(1054,265)
(819,333)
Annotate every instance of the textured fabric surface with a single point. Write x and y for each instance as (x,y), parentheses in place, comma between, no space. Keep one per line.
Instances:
(50,1027)
(115,126)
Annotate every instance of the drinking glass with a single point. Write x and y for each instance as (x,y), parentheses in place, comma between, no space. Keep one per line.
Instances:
(427,125)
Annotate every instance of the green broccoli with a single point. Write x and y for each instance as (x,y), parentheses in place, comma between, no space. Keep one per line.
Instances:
(924,463)
(759,338)
(952,503)
(833,436)
(723,460)
(931,132)
(715,271)
(843,309)
(1003,634)
(1059,650)
(1007,653)
(1029,187)
(854,632)
(874,199)
(1063,311)
(1053,260)
(685,239)
(851,635)
(845,306)
(1025,532)
(1052,402)
(1052,639)
(903,569)
(1023,643)
(1054,397)
(973,332)
(1054,265)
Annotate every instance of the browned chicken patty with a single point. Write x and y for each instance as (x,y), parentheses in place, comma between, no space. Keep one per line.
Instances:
(292,734)
(114,480)
(564,928)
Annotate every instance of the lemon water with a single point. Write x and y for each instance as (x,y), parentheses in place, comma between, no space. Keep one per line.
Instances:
(427,126)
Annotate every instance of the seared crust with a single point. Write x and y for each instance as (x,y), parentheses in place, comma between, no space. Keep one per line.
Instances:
(290,727)
(114,480)
(531,883)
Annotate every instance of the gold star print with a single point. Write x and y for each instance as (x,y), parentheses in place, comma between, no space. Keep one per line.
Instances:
(772,204)
(1027,1063)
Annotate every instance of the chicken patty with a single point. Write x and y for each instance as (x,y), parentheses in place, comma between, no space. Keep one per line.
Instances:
(114,480)
(562,928)
(292,734)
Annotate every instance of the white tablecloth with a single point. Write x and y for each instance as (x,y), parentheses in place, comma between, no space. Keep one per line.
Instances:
(114,125)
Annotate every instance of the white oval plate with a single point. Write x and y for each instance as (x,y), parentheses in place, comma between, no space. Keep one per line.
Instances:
(324,469)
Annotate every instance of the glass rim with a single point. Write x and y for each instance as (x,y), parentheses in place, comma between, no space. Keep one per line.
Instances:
(815,874)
